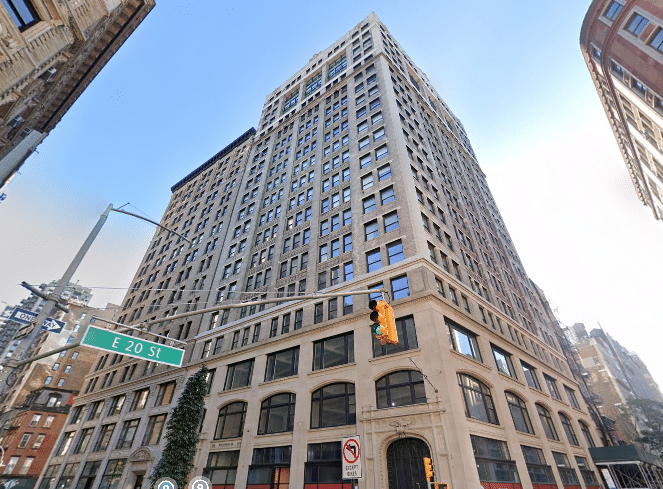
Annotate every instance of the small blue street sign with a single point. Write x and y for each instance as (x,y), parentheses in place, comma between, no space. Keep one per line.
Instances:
(23,316)
(52,325)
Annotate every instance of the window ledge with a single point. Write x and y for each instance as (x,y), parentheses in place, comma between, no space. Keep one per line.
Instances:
(235,390)
(464,357)
(276,381)
(485,423)
(322,371)
(390,356)
(512,379)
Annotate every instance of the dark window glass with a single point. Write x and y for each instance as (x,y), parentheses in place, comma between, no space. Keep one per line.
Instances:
(330,352)
(239,375)
(539,471)
(407,335)
(547,422)
(230,422)
(221,468)
(282,364)
(277,414)
(323,468)
(478,399)
(400,388)
(333,405)
(493,461)
(519,413)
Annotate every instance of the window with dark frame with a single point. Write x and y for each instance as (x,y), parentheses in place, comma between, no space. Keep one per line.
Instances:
(401,388)
(230,422)
(333,405)
(282,364)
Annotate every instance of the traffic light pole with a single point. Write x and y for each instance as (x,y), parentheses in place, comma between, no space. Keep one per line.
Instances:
(16,364)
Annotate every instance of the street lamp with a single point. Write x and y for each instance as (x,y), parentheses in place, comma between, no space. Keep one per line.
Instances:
(53,299)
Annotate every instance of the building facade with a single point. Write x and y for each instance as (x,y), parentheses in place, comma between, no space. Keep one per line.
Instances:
(622,42)
(29,433)
(49,53)
(359,177)
(34,408)
(615,375)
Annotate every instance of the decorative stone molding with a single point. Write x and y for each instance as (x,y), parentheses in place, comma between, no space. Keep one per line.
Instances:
(143,454)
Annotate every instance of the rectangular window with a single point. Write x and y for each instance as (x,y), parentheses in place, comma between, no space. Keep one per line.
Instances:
(395,252)
(165,394)
(387,195)
(552,387)
(573,400)
(539,471)
(530,375)
(222,468)
(493,460)
(155,425)
(282,364)
(381,152)
(113,474)
(463,340)
(637,24)
(128,434)
(503,362)
(317,313)
(613,10)
(407,335)
(391,221)
(239,375)
(373,260)
(399,287)
(371,230)
(22,13)
(369,204)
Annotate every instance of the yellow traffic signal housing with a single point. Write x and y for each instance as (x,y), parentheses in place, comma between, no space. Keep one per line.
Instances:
(379,327)
(384,324)
(440,485)
(428,467)
(392,334)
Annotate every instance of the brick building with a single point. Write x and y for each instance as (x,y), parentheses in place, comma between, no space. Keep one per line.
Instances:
(622,42)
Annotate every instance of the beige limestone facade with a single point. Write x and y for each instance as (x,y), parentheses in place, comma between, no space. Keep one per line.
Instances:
(358,177)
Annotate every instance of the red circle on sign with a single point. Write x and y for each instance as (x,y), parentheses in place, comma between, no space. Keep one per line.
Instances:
(346,448)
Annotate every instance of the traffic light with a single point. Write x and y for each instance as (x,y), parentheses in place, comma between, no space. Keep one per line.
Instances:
(384,325)
(392,334)
(379,327)
(428,467)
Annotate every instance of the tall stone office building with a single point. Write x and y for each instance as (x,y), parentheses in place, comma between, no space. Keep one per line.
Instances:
(622,42)
(358,177)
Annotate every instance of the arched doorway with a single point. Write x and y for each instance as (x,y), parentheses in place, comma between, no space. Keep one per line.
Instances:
(405,464)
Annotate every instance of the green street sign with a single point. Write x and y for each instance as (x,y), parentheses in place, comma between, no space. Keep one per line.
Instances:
(124,344)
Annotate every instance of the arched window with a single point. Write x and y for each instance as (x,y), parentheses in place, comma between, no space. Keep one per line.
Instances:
(568,429)
(519,413)
(587,434)
(333,405)
(400,388)
(478,399)
(547,422)
(230,422)
(277,414)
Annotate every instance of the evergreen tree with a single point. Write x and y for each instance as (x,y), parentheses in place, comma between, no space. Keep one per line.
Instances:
(182,432)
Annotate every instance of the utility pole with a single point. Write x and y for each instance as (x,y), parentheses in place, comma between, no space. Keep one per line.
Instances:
(53,300)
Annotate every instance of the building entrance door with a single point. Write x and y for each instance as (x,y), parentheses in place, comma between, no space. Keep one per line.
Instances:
(405,464)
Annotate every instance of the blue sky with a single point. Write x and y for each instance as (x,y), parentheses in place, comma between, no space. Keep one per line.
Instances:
(194,76)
